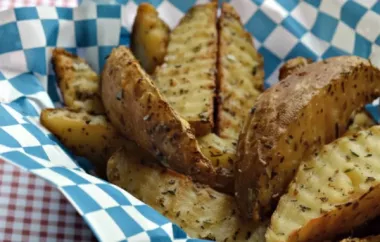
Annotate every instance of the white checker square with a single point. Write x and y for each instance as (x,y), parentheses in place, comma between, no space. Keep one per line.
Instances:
(86,11)
(102,198)
(16,115)
(317,45)
(34,40)
(88,177)
(305,14)
(168,228)
(58,157)
(42,99)
(12,64)
(128,14)
(143,236)
(42,79)
(45,12)
(245,8)
(53,177)
(106,35)
(8,92)
(170,14)
(145,223)
(256,43)
(274,10)
(369,25)
(90,54)
(367,3)
(201,2)
(344,38)
(22,135)
(104,225)
(7,17)
(66,35)
(281,48)
(332,8)
(4,149)
(273,78)
(375,56)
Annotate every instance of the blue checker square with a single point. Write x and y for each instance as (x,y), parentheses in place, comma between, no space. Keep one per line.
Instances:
(38,134)
(86,33)
(51,29)
(6,119)
(70,175)
(35,59)
(84,201)
(258,2)
(12,42)
(156,3)
(26,13)
(351,13)
(24,107)
(324,27)
(108,11)
(7,140)
(122,2)
(182,5)
(333,51)
(376,7)
(159,234)
(373,110)
(124,37)
(363,47)
(152,215)
(178,233)
(22,160)
(37,151)
(301,50)
(65,13)
(294,26)
(104,52)
(115,194)
(2,77)
(126,223)
(26,84)
(52,89)
(288,4)
(314,3)
(271,61)
(377,41)
(261,25)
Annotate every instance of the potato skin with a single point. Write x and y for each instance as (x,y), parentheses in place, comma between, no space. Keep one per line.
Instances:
(90,136)
(150,36)
(285,126)
(137,109)
(292,65)
(201,211)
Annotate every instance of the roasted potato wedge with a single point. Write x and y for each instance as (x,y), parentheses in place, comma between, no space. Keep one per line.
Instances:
(335,190)
(90,136)
(150,36)
(240,74)
(292,65)
(201,211)
(292,120)
(78,83)
(138,110)
(187,77)
(375,238)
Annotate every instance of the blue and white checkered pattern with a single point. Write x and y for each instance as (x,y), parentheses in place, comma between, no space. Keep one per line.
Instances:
(282,29)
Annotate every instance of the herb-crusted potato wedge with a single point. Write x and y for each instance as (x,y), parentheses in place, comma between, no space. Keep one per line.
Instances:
(240,74)
(201,211)
(78,83)
(222,154)
(292,120)
(292,65)
(150,36)
(90,136)
(187,77)
(138,110)
(347,172)
(375,238)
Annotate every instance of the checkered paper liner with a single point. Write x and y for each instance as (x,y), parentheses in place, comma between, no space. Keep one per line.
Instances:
(282,30)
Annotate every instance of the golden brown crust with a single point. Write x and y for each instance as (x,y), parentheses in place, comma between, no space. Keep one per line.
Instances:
(78,83)
(375,238)
(285,126)
(199,210)
(292,65)
(150,36)
(137,109)
(240,74)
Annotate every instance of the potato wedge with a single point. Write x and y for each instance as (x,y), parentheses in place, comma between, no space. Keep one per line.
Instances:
(78,83)
(222,154)
(292,120)
(201,211)
(150,36)
(90,136)
(240,74)
(347,172)
(187,77)
(292,65)
(138,110)
(375,238)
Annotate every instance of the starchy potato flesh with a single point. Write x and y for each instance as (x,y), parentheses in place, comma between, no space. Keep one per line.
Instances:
(78,83)
(150,36)
(201,211)
(361,121)
(90,136)
(375,238)
(240,74)
(292,65)
(333,191)
(293,119)
(222,154)
(137,109)
(187,77)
